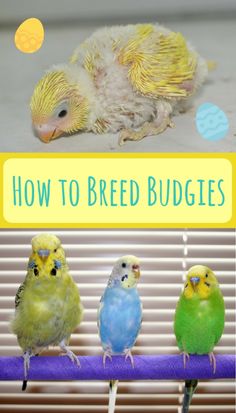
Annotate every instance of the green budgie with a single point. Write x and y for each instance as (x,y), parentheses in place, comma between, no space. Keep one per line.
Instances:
(199,320)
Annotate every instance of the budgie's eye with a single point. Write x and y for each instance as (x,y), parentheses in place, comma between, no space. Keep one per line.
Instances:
(55,250)
(53,271)
(206,275)
(36,272)
(62,113)
(123,265)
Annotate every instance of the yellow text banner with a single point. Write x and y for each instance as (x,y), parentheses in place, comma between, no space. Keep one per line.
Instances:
(119,190)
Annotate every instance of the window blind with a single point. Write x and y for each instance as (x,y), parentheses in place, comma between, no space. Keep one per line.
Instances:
(165,256)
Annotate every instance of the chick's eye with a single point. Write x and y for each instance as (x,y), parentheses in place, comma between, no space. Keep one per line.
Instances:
(123,265)
(206,275)
(62,113)
(55,250)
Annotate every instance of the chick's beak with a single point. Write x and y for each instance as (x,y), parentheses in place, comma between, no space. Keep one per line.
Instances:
(194,281)
(47,132)
(43,254)
(136,271)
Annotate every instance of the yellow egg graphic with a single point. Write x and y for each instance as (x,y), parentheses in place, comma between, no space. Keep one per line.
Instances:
(29,36)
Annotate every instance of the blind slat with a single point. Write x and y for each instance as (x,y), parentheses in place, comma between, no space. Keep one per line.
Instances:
(165,256)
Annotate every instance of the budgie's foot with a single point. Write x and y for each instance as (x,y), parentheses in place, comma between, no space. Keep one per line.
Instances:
(185,358)
(212,361)
(26,357)
(72,356)
(129,355)
(148,129)
(107,354)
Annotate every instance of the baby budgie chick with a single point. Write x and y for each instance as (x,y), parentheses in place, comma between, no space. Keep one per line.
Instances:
(47,304)
(199,320)
(130,79)
(120,314)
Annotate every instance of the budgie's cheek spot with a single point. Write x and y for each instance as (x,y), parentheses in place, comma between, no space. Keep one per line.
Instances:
(53,272)
(188,292)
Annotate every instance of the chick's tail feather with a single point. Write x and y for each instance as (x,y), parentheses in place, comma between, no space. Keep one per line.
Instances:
(190,387)
(112,395)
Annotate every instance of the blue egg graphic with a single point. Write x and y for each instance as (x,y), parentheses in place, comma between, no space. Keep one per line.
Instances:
(211,122)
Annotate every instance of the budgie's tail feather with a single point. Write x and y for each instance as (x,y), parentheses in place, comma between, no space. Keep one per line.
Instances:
(24,385)
(190,387)
(26,368)
(112,395)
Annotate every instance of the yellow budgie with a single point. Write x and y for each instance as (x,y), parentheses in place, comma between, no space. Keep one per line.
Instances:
(130,79)
(48,306)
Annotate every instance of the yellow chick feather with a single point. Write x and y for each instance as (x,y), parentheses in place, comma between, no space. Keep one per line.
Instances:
(131,79)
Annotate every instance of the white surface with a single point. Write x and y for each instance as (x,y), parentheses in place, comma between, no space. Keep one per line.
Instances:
(19,73)
(92,9)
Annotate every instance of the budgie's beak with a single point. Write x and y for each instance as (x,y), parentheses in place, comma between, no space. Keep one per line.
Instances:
(136,271)
(43,254)
(194,281)
(47,132)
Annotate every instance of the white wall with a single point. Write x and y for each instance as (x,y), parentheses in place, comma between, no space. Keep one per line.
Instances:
(12,10)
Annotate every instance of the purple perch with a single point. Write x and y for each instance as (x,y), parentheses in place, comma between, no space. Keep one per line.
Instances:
(161,367)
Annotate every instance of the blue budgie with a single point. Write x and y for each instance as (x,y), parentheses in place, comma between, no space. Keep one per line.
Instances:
(120,315)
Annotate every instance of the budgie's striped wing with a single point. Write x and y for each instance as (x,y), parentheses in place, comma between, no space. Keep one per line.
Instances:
(160,64)
(19,294)
(20,291)
(220,316)
(178,324)
(102,303)
(99,311)
(141,318)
